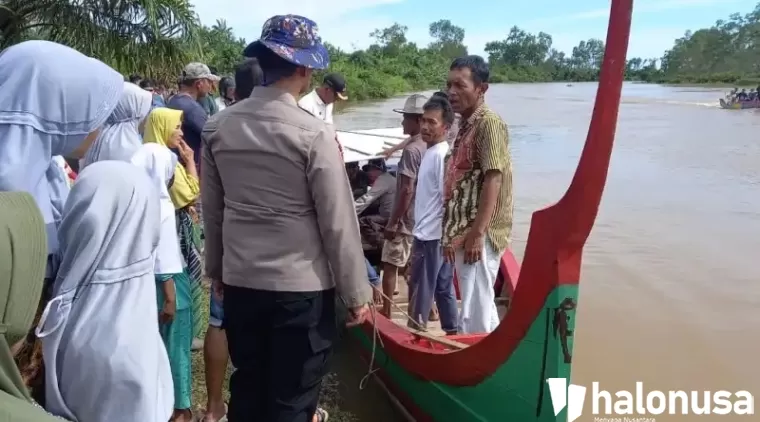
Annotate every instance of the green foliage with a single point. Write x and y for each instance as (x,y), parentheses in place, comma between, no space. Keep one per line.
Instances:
(131,36)
(155,38)
(727,52)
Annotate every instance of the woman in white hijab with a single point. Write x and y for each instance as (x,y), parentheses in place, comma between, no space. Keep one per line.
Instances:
(103,353)
(53,100)
(120,137)
(172,281)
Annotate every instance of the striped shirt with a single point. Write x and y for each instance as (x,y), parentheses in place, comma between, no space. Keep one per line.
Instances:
(481,145)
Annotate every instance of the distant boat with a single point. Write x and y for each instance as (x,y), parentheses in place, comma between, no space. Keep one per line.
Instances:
(569,85)
(738,105)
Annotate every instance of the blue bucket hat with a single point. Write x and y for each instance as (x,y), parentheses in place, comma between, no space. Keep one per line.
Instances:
(295,39)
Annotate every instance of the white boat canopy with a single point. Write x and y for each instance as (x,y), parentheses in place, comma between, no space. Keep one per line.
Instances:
(363,145)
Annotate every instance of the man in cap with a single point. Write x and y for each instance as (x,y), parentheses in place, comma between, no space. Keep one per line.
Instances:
(281,233)
(208,102)
(320,101)
(195,82)
(450,135)
(397,247)
(374,208)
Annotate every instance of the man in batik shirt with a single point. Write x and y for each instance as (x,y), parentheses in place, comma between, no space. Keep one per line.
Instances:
(477,220)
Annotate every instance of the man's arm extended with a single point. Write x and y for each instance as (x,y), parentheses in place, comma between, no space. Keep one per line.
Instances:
(390,151)
(493,156)
(212,195)
(333,201)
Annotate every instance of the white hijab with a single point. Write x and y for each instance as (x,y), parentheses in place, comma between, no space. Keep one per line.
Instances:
(120,136)
(104,357)
(160,162)
(51,98)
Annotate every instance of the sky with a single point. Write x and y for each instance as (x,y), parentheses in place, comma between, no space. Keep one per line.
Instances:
(348,23)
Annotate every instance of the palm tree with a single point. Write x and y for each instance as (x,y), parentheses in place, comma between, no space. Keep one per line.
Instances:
(143,36)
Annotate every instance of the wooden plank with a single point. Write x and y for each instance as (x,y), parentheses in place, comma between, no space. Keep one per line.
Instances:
(435,339)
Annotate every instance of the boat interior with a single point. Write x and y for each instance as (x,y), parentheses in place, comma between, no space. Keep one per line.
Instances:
(363,145)
(550,270)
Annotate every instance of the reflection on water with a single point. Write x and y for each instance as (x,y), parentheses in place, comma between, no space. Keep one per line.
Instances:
(671,277)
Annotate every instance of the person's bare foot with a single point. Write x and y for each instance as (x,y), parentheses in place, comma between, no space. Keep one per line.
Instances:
(182,415)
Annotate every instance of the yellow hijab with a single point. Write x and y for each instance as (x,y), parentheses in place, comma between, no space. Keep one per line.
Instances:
(159,126)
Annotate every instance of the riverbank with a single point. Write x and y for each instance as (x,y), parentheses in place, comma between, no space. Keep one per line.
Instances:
(709,80)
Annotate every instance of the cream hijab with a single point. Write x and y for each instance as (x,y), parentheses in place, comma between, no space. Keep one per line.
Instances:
(159,162)
(104,357)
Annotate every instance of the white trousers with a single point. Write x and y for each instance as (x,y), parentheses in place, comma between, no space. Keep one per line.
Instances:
(476,281)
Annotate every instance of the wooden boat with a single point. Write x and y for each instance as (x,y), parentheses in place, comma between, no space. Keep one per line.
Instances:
(501,376)
(738,105)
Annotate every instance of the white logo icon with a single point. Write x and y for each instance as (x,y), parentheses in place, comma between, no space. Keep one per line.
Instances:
(562,396)
(643,402)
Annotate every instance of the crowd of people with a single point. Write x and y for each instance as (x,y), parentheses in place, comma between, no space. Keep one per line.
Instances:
(100,278)
(736,95)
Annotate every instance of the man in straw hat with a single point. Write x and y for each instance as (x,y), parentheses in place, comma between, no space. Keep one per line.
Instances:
(278,207)
(397,247)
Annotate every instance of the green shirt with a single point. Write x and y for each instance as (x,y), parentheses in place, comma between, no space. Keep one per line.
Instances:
(208,104)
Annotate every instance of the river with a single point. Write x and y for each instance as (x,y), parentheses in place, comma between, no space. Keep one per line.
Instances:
(667,295)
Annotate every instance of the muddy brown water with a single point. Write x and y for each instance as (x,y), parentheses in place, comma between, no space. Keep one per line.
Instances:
(670,292)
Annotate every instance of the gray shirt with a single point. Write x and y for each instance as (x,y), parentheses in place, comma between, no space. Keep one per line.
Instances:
(409,166)
(277,207)
(381,193)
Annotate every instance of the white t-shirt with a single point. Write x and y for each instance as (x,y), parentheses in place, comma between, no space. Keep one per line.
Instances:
(428,201)
(314,105)
(220,103)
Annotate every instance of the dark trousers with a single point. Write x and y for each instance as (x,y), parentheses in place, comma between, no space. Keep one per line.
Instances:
(432,278)
(279,344)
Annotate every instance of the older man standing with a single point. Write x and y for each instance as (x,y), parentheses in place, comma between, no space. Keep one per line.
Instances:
(477,219)
(281,232)
(397,248)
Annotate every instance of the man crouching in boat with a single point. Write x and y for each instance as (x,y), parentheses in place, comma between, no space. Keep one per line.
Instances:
(477,221)
(374,208)
(280,232)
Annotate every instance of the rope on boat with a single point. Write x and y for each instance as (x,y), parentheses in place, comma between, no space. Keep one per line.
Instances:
(376,333)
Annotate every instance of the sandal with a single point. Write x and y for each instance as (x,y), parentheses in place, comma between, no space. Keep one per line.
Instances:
(222,419)
(322,415)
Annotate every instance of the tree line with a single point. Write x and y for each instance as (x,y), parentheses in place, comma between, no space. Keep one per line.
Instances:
(155,38)
(726,52)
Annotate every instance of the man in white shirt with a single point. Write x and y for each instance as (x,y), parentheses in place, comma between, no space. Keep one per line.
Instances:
(320,101)
(432,277)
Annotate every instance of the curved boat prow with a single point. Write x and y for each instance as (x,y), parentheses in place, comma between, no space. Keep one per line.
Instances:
(550,273)
(502,376)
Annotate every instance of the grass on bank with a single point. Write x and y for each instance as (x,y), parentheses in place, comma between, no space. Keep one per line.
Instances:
(330,399)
